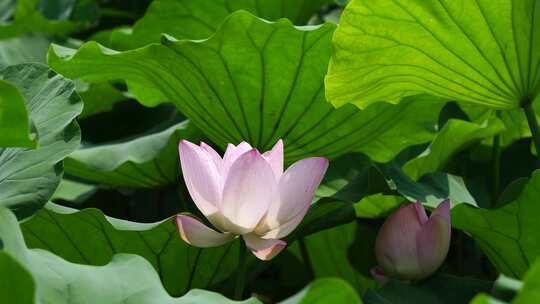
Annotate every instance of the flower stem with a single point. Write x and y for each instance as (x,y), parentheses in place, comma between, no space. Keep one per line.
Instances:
(496,162)
(533,125)
(241,272)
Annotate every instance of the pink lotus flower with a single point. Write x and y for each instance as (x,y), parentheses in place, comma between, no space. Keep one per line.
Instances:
(246,193)
(411,246)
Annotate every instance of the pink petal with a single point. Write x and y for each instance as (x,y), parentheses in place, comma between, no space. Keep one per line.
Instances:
(296,188)
(378,275)
(263,249)
(275,158)
(433,242)
(195,233)
(420,212)
(395,247)
(249,189)
(233,153)
(443,210)
(213,155)
(201,176)
(283,229)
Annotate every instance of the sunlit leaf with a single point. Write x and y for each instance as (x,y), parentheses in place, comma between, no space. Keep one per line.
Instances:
(200,19)
(257,81)
(484,52)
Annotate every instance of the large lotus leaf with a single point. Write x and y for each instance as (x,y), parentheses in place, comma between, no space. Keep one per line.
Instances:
(14,121)
(88,237)
(147,161)
(257,81)
(28,177)
(124,279)
(484,52)
(200,19)
(509,234)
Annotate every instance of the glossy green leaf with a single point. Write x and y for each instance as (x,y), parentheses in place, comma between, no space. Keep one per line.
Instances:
(23,49)
(484,52)
(256,81)
(185,19)
(73,191)
(124,279)
(507,235)
(530,292)
(327,290)
(453,137)
(20,286)
(14,121)
(28,177)
(438,289)
(146,161)
(90,238)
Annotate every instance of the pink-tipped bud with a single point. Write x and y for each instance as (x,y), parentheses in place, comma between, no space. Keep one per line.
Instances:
(411,246)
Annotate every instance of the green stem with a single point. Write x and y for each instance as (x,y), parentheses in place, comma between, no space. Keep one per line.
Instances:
(305,256)
(496,162)
(241,273)
(533,125)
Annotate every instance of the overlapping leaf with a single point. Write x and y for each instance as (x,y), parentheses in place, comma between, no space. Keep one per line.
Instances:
(23,49)
(484,52)
(34,16)
(125,279)
(200,19)
(88,237)
(28,177)
(147,161)
(256,81)
(453,137)
(14,121)
(508,235)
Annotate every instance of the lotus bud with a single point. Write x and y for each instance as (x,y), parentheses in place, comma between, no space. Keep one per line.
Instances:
(246,193)
(411,246)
